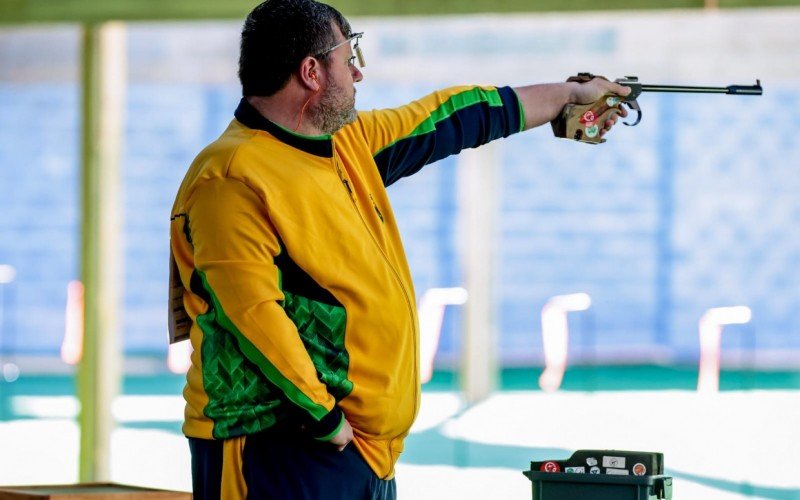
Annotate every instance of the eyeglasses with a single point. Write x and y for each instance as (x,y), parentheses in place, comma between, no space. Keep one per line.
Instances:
(359,55)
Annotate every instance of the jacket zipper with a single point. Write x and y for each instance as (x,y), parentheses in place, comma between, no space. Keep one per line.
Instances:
(396,276)
(375,206)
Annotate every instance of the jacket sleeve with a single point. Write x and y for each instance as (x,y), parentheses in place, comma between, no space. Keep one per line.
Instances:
(234,249)
(405,139)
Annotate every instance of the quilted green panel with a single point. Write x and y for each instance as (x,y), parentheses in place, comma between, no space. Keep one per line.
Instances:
(322,328)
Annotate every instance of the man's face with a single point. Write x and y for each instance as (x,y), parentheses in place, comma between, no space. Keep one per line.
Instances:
(336,105)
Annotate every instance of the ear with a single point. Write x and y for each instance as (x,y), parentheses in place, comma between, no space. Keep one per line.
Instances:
(309,76)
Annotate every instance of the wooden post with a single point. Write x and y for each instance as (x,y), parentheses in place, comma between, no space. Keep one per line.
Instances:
(99,371)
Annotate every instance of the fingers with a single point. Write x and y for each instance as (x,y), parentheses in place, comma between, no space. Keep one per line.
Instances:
(620,89)
(608,124)
(605,129)
(612,87)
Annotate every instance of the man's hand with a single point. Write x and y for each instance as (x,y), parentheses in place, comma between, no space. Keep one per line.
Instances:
(543,102)
(591,91)
(343,437)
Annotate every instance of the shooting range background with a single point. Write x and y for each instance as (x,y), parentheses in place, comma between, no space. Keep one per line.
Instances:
(694,208)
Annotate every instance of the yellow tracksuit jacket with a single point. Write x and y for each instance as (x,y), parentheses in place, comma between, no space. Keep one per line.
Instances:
(295,285)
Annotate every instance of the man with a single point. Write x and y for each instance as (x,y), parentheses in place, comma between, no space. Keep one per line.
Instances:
(288,261)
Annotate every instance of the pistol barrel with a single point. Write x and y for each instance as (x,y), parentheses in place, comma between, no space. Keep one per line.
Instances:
(731,89)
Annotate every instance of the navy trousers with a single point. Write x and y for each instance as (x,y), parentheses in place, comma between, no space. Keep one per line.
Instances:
(287,466)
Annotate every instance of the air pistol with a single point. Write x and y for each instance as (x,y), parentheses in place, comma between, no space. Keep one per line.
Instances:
(583,122)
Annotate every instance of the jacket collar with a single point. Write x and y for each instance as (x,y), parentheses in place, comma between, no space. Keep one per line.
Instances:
(250,117)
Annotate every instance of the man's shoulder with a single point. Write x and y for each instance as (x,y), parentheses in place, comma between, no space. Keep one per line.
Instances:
(235,137)
(238,144)
(214,161)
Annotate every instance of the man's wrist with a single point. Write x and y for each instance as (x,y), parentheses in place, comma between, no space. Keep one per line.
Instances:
(327,426)
(572,89)
(334,432)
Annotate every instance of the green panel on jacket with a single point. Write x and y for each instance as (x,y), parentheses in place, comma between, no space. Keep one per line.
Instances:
(322,328)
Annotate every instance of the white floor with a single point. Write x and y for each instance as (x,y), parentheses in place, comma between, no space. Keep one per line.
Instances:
(714,446)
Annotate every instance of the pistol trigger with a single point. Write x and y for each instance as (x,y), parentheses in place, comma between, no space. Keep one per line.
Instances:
(634,105)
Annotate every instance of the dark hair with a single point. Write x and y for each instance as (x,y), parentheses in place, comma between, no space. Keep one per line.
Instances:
(277,35)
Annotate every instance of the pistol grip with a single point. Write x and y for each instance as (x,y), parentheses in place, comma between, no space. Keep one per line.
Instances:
(583,122)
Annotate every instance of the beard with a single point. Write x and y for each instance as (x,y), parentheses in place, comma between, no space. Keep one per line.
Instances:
(334,110)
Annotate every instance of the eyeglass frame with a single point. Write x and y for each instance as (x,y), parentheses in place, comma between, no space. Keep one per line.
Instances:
(351,60)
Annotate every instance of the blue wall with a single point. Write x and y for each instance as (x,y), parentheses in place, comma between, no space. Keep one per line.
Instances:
(694,208)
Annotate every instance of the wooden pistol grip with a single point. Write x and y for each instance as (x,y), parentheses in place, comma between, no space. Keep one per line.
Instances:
(583,122)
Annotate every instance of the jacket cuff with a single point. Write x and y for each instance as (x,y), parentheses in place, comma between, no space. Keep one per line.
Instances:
(329,426)
(515,112)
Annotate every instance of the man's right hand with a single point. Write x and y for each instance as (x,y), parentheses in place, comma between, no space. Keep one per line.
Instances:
(343,437)
(597,87)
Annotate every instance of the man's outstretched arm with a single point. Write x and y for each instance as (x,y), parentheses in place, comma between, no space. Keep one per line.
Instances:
(542,103)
